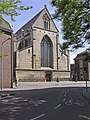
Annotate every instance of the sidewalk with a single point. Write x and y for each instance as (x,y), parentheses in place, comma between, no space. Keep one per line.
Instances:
(53,84)
(43,85)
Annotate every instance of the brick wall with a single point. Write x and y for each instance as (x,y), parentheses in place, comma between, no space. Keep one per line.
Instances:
(5,60)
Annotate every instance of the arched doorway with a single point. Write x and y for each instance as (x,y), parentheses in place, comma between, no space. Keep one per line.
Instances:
(46,52)
(48,76)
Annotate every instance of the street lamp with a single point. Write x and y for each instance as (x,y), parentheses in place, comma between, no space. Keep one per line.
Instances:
(2,61)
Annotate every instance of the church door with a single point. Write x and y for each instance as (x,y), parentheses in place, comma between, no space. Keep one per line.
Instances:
(48,76)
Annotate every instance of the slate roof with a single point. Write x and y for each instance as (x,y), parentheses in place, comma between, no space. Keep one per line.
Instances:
(32,21)
(82,54)
(5,26)
(29,23)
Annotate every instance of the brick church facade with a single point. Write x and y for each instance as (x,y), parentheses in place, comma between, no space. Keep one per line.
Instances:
(37,53)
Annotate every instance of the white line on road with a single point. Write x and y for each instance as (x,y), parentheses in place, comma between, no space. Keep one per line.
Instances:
(64,99)
(83,116)
(57,106)
(65,95)
(1,98)
(38,117)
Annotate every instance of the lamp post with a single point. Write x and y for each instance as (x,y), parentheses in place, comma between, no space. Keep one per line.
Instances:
(2,61)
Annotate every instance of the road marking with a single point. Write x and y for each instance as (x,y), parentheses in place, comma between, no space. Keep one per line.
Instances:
(65,95)
(11,119)
(1,98)
(64,99)
(16,98)
(83,116)
(42,100)
(76,102)
(38,117)
(57,106)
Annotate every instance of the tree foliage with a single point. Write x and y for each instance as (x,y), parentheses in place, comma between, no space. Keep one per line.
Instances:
(75,17)
(11,8)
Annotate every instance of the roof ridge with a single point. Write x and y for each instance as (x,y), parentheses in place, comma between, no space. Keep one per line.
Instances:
(32,20)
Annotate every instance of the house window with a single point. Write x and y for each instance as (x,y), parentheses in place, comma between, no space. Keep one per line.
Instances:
(46,52)
(28,50)
(24,44)
(21,45)
(81,71)
(80,64)
(46,21)
(46,24)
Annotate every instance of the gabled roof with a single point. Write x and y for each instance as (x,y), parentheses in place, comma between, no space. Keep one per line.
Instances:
(32,21)
(29,23)
(5,26)
(51,17)
(82,54)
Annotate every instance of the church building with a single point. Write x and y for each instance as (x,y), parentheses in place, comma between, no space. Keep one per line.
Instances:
(37,51)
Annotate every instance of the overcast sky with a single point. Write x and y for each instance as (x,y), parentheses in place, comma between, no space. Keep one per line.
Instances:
(25,16)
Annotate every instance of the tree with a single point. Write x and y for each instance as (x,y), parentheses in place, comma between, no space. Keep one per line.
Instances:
(11,8)
(75,18)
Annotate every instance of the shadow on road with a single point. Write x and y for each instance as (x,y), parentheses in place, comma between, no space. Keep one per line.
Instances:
(23,104)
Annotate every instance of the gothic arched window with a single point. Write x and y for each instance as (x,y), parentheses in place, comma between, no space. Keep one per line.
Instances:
(46,52)
(24,44)
(46,21)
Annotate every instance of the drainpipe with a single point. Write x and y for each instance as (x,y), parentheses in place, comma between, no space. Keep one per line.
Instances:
(32,49)
(57,48)
(12,46)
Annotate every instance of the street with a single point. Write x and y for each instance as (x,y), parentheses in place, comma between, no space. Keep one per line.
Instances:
(61,103)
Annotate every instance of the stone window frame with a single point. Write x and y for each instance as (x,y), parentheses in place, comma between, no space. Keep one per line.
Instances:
(80,63)
(46,21)
(46,52)
(24,44)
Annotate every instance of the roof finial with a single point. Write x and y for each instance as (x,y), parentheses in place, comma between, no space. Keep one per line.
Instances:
(45,6)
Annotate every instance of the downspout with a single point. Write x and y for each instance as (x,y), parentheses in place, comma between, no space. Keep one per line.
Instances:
(12,59)
(68,61)
(57,48)
(32,49)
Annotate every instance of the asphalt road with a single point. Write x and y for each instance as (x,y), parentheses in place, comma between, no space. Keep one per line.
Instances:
(45,104)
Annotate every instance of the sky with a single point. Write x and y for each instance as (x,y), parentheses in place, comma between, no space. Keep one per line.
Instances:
(25,16)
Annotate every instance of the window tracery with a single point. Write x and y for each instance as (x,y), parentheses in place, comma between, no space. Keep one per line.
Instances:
(46,52)
(46,21)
